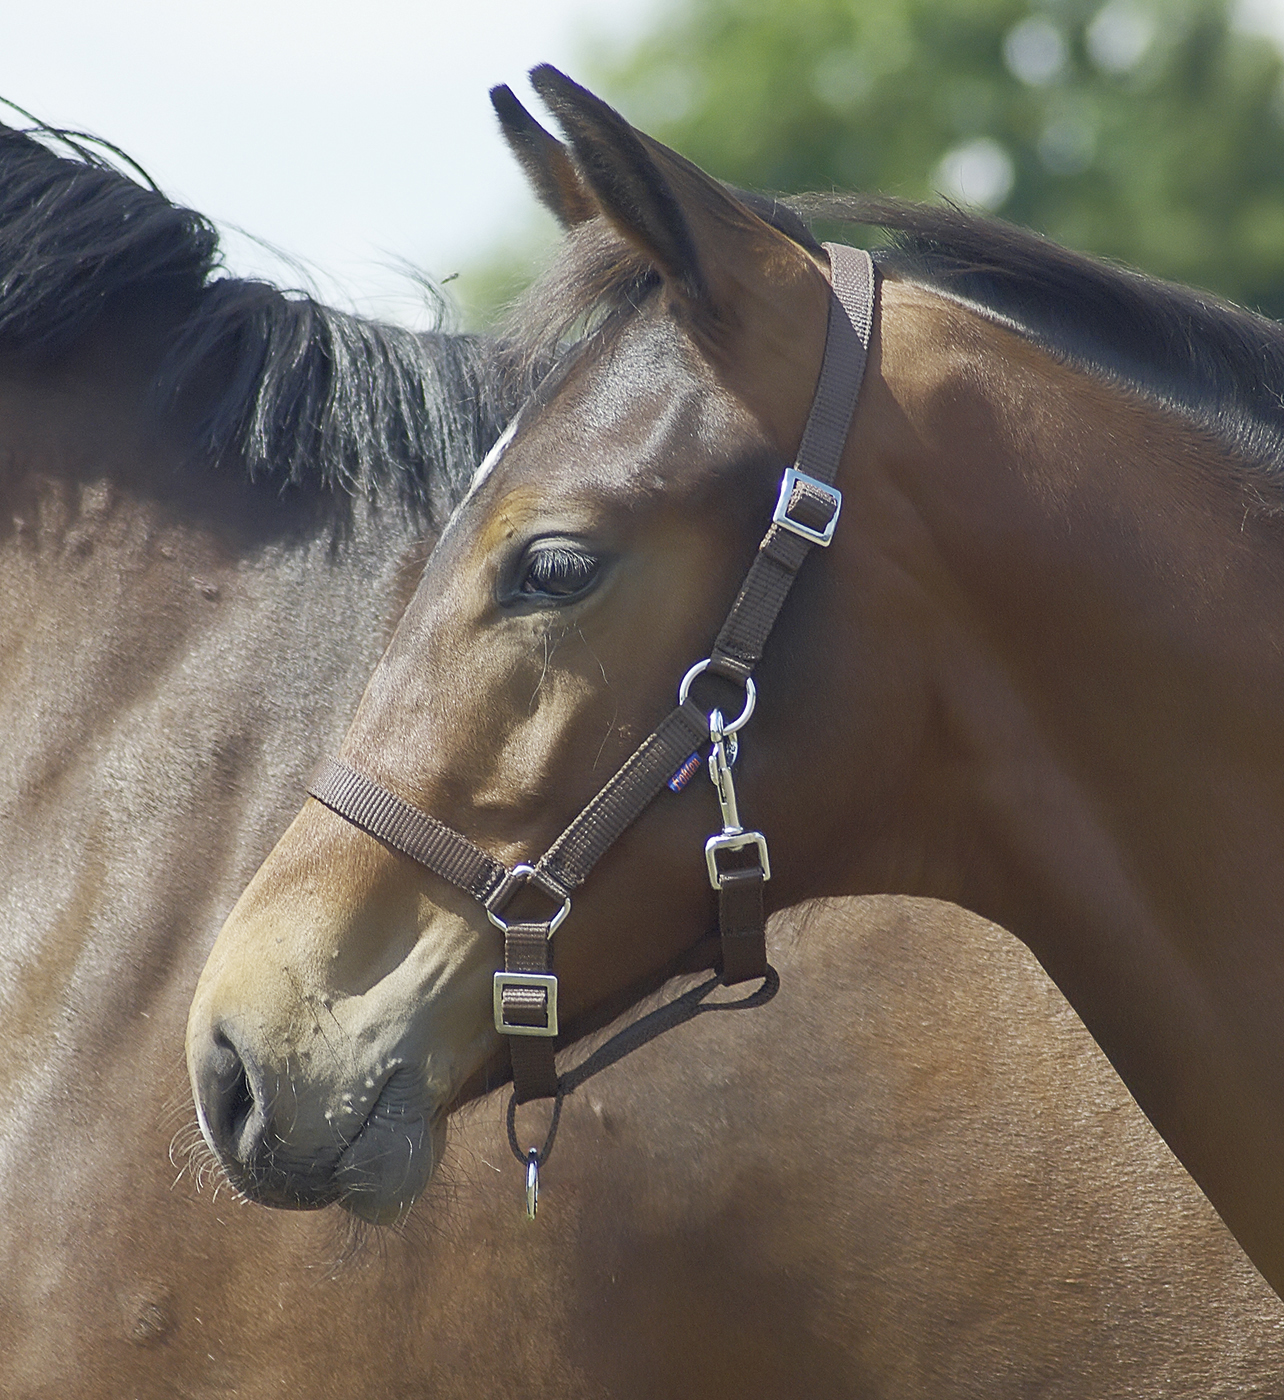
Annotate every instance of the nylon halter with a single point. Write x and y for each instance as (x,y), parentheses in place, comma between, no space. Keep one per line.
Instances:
(525,992)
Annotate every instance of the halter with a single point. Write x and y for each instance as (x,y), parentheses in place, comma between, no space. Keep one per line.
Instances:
(525,992)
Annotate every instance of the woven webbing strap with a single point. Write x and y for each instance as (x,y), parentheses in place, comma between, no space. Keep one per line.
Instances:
(567,862)
(565,866)
(625,797)
(528,948)
(851,321)
(433,844)
(740,643)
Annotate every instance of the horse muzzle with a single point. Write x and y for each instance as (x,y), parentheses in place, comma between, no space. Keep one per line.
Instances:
(287,1139)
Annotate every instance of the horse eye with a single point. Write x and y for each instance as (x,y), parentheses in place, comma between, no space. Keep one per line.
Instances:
(557,569)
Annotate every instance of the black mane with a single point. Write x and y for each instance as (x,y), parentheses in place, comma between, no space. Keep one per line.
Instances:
(297,392)
(1215,364)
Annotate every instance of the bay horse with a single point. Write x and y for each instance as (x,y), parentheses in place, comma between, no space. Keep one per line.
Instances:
(194,599)
(1036,674)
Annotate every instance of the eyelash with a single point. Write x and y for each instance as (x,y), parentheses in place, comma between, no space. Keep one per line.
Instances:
(557,571)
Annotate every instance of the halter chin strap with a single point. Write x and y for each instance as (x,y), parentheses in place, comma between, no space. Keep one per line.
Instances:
(525,992)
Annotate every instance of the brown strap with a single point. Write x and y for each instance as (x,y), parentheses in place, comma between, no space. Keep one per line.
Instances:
(450,854)
(740,643)
(454,857)
(624,797)
(744,634)
(851,322)
(743,922)
(433,844)
(568,861)
(534,1069)
(527,949)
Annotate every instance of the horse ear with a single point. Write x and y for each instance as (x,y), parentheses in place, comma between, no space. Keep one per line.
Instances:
(620,166)
(544,160)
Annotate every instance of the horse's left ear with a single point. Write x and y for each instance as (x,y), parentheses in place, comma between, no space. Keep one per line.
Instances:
(688,224)
(545,161)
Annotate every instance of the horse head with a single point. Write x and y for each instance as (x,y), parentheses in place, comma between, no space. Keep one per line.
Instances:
(347,1004)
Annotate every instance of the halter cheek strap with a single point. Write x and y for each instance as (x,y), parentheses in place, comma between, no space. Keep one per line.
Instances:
(525,992)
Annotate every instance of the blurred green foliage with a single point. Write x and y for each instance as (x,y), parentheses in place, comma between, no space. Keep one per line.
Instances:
(1150,131)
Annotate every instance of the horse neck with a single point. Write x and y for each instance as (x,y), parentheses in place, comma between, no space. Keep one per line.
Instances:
(1070,606)
(115,551)
(179,649)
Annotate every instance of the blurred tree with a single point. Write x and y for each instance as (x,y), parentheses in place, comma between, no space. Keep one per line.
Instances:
(1150,131)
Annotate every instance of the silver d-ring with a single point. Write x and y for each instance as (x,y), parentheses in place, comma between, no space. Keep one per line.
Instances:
(553,924)
(751,695)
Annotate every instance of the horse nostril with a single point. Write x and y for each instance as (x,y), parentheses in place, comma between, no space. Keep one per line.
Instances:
(240,1102)
(230,1110)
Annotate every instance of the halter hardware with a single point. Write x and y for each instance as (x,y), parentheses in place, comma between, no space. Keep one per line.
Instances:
(544,1004)
(735,841)
(811,488)
(525,991)
(733,836)
(532,1183)
(751,699)
(519,876)
(525,1003)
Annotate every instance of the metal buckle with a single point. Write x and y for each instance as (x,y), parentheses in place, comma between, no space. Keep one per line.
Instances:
(519,876)
(780,516)
(543,980)
(735,841)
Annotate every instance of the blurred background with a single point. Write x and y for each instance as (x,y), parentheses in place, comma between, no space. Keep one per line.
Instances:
(338,145)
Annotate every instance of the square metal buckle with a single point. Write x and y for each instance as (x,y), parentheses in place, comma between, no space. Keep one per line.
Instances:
(780,516)
(544,980)
(735,841)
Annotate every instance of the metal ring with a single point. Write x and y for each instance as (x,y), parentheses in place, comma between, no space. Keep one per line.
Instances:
(751,695)
(532,1183)
(553,924)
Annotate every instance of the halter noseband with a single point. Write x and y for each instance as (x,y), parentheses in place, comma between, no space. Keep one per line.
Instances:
(525,992)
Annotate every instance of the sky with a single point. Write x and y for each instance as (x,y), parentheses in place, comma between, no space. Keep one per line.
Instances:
(355,137)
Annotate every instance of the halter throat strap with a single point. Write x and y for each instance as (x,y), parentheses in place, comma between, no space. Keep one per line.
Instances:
(804,519)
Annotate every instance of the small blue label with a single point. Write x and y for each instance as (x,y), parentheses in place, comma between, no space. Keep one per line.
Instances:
(684,774)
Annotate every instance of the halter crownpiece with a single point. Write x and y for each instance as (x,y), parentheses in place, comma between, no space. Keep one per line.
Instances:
(525,992)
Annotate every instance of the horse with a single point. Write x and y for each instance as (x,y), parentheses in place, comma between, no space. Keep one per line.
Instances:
(216,502)
(1035,674)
